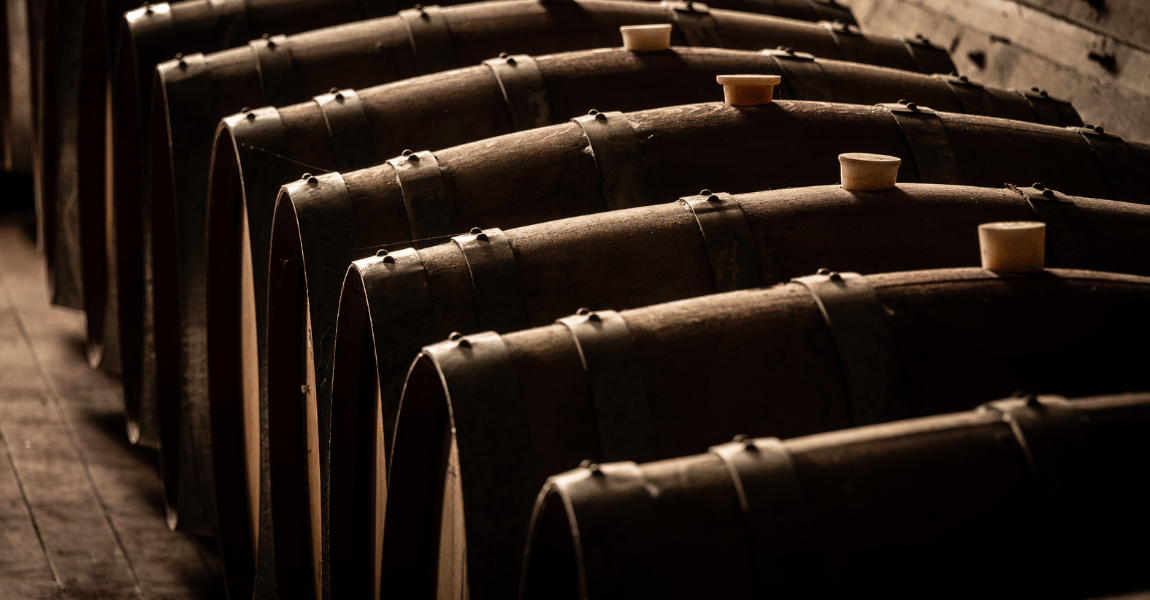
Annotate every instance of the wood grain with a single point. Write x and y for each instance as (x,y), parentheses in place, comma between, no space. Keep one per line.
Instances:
(80,509)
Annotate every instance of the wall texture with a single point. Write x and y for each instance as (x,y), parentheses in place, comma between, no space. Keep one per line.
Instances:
(1095,53)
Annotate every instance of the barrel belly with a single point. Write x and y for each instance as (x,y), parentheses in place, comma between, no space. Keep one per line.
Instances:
(939,496)
(470,174)
(934,318)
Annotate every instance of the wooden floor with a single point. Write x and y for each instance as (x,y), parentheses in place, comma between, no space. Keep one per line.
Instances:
(81,511)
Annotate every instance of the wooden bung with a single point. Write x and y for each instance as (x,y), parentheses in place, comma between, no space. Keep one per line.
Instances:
(748,90)
(1013,246)
(863,172)
(646,38)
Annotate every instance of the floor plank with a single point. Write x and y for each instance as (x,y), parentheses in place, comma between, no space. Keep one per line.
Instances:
(82,512)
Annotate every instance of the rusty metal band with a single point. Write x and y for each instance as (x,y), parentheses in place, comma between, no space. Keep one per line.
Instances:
(430,39)
(1128,179)
(396,284)
(348,128)
(496,460)
(1051,111)
(259,130)
(929,144)
(187,84)
(152,22)
(231,17)
(971,96)
(771,499)
(730,245)
(499,301)
(852,45)
(523,89)
(928,57)
(1069,243)
(695,22)
(802,75)
(606,497)
(1052,437)
(861,329)
(276,69)
(420,180)
(615,149)
(618,391)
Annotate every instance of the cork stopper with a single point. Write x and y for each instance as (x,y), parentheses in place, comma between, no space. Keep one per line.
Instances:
(1013,246)
(862,172)
(748,90)
(646,38)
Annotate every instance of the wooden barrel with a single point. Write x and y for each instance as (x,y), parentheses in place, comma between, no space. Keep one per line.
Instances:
(548,173)
(72,41)
(54,115)
(822,353)
(277,70)
(582,24)
(156,32)
(360,59)
(90,178)
(631,258)
(16,89)
(469,104)
(1041,484)
(147,36)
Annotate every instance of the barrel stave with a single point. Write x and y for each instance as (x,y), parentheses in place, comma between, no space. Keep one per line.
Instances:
(677,76)
(732,338)
(354,55)
(303,125)
(570,425)
(1052,358)
(737,32)
(1041,149)
(879,231)
(717,527)
(193,24)
(388,218)
(741,163)
(561,560)
(514,28)
(417,109)
(585,254)
(491,181)
(1012,105)
(230,70)
(280,16)
(853,86)
(1114,234)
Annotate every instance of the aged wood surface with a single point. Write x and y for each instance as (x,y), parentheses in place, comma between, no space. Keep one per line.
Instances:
(1102,70)
(80,509)
(697,357)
